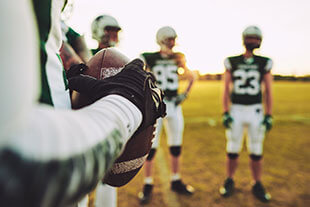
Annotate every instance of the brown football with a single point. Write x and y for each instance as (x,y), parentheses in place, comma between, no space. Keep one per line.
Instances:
(106,63)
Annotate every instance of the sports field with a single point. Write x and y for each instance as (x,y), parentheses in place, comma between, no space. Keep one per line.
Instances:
(286,158)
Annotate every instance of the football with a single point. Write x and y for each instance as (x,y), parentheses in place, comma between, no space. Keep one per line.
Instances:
(106,63)
(128,164)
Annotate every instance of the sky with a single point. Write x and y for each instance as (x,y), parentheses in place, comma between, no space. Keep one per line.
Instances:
(208,30)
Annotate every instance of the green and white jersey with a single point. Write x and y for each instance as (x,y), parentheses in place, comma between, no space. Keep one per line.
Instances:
(68,34)
(53,81)
(247,75)
(165,71)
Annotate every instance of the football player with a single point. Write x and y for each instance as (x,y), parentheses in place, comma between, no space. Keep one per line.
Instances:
(166,65)
(242,104)
(105,29)
(49,154)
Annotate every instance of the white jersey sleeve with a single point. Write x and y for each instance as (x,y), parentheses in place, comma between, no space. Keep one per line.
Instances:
(61,155)
(227,64)
(269,65)
(60,134)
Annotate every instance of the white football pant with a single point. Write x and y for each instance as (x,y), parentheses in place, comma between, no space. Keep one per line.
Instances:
(106,196)
(248,117)
(173,124)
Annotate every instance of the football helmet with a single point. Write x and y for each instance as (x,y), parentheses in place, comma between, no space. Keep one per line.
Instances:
(164,33)
(252,31)
(101,24)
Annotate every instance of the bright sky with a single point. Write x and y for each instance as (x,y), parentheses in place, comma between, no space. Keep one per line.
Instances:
(208,30)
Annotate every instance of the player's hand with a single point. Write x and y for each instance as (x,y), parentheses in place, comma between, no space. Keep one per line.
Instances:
(180,98)
(267,122)
(132,82)
(227,120)
(76,70)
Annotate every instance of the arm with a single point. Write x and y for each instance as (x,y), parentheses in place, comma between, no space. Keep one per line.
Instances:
(81,49)
(62,155)
(76,42)
(190,77)
(68,56)
(226,93)
(268,93)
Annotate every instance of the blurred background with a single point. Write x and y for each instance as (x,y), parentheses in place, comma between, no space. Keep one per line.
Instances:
(208,31)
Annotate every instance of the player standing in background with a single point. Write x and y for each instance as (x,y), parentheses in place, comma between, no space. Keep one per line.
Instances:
(166,65)
(105,30)
(244,77)
(51,156)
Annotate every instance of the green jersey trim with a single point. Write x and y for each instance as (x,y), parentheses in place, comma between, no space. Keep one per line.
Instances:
(72,36)
(43,17)
(63,74)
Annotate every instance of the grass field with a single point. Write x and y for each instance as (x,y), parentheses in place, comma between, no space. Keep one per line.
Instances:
(286,154)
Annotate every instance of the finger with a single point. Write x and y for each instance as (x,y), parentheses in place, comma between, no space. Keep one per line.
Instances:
(76,70)
(136,64)
(83,84)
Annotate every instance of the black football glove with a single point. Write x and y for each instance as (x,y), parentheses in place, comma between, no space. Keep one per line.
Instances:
(227,120)
(267,122)
(133,83)
(180,98)
(76,70)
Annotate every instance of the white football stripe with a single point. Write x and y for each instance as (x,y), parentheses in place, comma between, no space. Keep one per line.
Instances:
(123,167)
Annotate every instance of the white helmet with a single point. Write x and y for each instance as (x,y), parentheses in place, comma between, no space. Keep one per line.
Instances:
(252,30)
(165,33)
(99,25)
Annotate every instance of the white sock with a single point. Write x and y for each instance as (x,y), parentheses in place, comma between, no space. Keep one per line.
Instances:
(175,176)
(105,196)
(148,180)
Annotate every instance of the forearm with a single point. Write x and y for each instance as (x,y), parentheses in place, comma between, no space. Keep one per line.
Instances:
(60,158)
(268,104)
(189,86)
(268,93)
(68,56)
(191,79)
(226,92)
(82,49)
(225,103)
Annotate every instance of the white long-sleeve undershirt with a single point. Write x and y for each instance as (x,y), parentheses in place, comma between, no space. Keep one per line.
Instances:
(59,134)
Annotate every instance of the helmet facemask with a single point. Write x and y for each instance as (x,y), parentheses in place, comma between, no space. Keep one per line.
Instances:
(252,42)
(110,37)
(252,38)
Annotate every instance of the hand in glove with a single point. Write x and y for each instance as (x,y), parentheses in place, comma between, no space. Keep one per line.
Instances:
(227,120)
(180,98)
(267,122)
(133,83)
